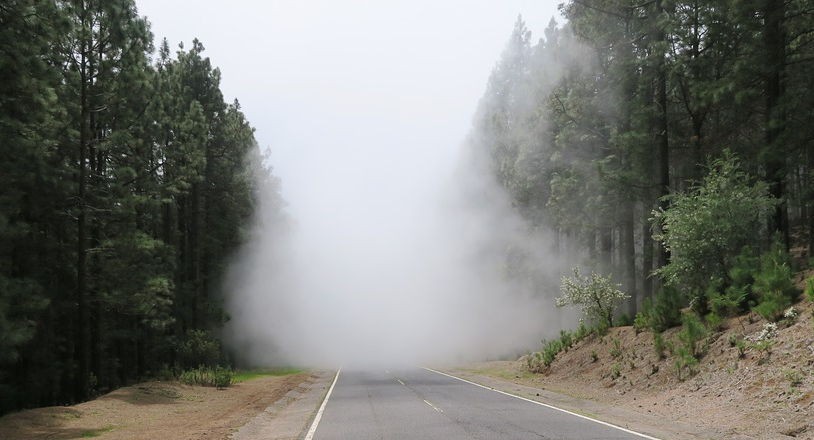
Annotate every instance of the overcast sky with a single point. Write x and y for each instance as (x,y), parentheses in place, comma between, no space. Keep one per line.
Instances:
(351,88)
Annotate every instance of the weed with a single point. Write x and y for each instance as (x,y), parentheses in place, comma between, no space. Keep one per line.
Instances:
(658,344)
(742,346)
(685,361)
(616,371)
(640,323)
(764,347)
(594,356)
(616,350)
(794,377)
(733,340)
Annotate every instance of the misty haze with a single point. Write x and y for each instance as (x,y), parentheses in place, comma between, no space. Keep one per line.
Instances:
(425,219)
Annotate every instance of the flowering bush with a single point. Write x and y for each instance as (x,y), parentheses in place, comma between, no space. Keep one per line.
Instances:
(595,294)
(769,332)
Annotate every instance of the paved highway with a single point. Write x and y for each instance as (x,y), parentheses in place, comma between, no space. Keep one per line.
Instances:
(422,404)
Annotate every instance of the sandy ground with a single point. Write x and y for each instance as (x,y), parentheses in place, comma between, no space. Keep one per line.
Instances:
(760,395)
(155,410)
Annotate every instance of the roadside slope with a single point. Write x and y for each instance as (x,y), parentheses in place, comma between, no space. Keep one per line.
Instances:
(757,394)
(155,410)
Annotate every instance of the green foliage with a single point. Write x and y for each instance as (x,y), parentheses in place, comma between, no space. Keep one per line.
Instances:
(704,229)
(616,350)
(809,288)
(540,361)
(658,344)
(742,346)
(616,371)
(692,334)
(713,321)
(207,376)
(198,348)
(685,363)
(596,295)
(624,320)
(663,311)
(774,285)
(640,322)
(566,340)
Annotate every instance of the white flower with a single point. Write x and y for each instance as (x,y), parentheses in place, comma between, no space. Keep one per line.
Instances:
(769,332)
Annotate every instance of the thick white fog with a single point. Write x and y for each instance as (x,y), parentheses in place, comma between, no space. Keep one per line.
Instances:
(394,246)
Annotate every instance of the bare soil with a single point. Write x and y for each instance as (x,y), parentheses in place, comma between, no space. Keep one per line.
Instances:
(154,410)
(757,395)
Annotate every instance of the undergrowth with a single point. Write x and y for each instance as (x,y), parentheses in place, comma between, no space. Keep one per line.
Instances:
(219,377)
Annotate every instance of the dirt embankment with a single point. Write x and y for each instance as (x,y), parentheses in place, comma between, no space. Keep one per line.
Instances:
(154,410)
(760,394)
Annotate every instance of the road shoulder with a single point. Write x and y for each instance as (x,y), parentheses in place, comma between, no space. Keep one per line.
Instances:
(289,417)
(642,422)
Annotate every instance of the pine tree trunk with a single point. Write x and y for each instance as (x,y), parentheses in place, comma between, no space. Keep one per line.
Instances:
(662,140)
(83,355)
(775,45)
(629,257)
(647,256)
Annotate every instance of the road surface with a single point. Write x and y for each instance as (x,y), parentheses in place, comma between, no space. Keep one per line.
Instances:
(422,404)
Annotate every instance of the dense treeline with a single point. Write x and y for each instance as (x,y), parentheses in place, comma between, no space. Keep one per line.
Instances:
(603,124)
(126,183)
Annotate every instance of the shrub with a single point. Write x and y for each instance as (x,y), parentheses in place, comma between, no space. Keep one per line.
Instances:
(640,322)
(790,315)
(714,322)
(566,340)
(198,348)
(534,362)
(658,344)
(691,334)
(538,362)
(616,371)
(664,311)
(809,289)
(774,286)
(685,361)
(616,350)
(596,295)
(207,376)
(705,229)
(741,344)
(624,320)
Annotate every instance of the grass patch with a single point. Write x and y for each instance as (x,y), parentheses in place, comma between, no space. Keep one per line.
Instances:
(244,375)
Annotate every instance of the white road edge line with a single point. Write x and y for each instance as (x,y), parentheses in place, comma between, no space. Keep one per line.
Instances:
(313,429)
(433,406)
(546,405)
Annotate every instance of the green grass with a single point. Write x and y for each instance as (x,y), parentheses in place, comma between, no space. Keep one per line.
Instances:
(244,375)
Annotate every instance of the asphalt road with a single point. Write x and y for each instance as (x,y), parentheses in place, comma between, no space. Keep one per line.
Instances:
(421,404)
